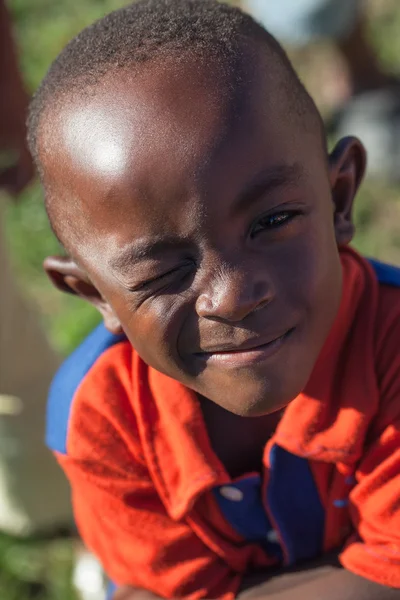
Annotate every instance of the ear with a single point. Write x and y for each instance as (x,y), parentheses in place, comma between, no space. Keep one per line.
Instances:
(65,275)
(347,165)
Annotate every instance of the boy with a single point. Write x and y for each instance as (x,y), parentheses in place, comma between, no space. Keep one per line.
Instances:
(240,422)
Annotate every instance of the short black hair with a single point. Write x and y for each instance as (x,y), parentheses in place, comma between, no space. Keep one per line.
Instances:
(146,30)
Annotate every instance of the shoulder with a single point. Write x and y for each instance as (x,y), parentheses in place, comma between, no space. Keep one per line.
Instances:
(387,340)
(388,309)
(95,370)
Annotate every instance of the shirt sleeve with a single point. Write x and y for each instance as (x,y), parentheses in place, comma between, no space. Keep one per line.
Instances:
(374,552)
(125,524)
(118,511)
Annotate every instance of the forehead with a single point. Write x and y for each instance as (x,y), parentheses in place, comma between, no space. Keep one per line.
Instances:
(145,141)
(130,117)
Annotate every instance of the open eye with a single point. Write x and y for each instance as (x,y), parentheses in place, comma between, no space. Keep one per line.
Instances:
(268,222)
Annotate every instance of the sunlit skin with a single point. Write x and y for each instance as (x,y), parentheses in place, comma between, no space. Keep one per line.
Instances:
(206,225)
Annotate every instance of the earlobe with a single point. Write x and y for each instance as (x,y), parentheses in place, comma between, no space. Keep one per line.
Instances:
(347,165)
(68,277)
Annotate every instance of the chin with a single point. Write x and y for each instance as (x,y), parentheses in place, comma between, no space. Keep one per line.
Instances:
(259,409)
(256,403)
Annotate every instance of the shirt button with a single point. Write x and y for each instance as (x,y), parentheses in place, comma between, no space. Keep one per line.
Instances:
(231,493)
(273,537)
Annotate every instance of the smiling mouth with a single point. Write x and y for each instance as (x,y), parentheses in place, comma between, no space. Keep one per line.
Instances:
(247,355)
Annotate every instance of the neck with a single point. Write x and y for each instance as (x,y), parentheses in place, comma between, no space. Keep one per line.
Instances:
(238,441)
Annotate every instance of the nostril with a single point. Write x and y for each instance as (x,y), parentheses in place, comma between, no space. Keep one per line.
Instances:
(262,304)
(233,295)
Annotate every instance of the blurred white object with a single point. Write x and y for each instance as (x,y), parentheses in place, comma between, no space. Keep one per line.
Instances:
(88,577)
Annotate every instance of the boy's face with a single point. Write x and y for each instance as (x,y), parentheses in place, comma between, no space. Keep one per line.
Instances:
(206,225)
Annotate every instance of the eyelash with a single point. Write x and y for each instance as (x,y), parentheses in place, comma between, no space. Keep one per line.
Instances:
(159,279)
(283,219)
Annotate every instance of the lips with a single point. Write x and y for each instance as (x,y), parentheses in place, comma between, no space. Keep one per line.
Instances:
(249,352)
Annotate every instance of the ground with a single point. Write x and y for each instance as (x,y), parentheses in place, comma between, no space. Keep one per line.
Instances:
(42,28)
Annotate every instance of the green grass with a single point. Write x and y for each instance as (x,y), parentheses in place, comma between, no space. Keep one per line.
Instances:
(34,569)
(42,28)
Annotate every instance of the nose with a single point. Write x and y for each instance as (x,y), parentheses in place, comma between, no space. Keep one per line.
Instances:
(233,294)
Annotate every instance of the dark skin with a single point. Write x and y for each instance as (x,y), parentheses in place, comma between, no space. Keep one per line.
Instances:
(211,227)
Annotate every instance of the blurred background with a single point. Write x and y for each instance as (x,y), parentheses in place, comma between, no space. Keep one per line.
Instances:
(351,73)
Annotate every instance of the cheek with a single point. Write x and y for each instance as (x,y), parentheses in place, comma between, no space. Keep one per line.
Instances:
(154,329)
(325,272)
(313,271)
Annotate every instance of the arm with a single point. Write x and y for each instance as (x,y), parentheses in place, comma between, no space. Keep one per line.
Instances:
(321,580)
(337,585)
(282,578)
(129,593)
(258,584)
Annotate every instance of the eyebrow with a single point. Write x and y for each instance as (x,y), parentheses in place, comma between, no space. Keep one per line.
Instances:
(268,181)
(143,249)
